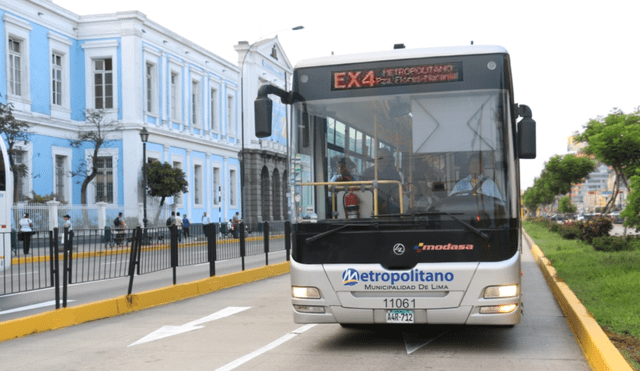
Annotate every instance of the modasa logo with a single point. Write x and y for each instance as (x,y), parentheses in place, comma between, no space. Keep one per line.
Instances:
(351,277)
(422,247)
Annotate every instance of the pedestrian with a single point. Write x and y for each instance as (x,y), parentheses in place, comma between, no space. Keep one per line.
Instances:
(230,227)
(185,226)
(171,221)
(68,227)
(236,224)
(205,223)
(26,230)
(179,226)
(118,231)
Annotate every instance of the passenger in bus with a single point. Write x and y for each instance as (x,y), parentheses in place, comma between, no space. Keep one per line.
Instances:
(346,169)
(388,198)
(476,182)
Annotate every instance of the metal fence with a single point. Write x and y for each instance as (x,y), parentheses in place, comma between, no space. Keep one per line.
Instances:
(94,254)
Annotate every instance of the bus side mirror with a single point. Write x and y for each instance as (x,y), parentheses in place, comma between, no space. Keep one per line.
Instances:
(527,138)
(263,108)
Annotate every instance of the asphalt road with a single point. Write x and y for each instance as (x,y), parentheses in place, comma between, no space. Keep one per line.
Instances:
(250,327)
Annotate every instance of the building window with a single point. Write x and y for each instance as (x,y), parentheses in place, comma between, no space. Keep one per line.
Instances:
(150,73)
(103,83)
(195,103)
(232,188)
(214,111)
(230,116)
(56,79)
(175,96)
(197,184)
(104,179)
(217,189)
(60,171)
(15,66)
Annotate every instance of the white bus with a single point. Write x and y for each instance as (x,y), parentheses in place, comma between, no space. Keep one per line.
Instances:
(6,198)
(405,186)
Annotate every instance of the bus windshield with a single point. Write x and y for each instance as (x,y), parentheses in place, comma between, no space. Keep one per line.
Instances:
(408,154)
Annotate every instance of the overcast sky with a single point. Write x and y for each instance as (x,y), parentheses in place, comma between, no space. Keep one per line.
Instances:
(572,60)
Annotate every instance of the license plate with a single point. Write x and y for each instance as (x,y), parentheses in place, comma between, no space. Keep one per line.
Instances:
(399,316)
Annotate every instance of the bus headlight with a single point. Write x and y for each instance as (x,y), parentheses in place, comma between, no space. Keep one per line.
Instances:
(495,292)
(498,309)
(301,292)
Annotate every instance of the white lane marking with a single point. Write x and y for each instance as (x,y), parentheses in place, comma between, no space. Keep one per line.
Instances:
(231,365)
(29,307)
(413,342)
(166,331)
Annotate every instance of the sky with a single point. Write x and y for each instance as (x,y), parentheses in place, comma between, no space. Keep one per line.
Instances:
(572,61)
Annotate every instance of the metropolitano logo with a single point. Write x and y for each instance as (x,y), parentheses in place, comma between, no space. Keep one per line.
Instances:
(350,277)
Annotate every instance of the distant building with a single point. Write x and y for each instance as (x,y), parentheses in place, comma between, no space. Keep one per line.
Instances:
(265,166)
(58,64)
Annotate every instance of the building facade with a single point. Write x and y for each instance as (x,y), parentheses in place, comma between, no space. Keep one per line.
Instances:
(266,173)
(56,65)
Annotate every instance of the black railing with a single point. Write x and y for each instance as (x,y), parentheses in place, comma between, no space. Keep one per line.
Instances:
(61,257)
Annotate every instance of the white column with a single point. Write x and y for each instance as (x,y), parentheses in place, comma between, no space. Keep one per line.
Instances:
(102,214)
(53,214)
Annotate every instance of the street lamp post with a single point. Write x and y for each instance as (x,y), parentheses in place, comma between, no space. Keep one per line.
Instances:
(243,158)
(144,136)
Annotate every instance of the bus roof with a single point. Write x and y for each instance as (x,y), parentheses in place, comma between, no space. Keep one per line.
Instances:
(397,54)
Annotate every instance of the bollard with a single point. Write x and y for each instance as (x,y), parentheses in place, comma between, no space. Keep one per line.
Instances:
(287,239)
(266,243)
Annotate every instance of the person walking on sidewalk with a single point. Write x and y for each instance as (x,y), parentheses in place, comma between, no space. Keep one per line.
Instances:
(68,226)
(26,231)
(205,224)
(185,226)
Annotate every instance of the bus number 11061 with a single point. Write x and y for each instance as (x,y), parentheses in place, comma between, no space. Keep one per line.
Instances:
(399,303)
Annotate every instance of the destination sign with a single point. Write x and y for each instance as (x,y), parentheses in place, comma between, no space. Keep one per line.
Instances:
(396,76)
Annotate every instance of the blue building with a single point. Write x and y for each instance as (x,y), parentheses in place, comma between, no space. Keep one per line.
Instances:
(56,65)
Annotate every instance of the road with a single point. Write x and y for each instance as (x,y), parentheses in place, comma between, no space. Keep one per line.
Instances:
(250,327)
(618,230)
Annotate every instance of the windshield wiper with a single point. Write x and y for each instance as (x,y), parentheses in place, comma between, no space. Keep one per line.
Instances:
(332,231)
(473,229)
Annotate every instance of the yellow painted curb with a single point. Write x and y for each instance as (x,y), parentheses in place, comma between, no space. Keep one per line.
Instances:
(71,316)
(596,346)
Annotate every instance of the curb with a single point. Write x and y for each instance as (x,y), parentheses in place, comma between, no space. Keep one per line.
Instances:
(72,316)
(596,346)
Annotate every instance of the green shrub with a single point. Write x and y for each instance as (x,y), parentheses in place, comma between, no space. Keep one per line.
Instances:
(569,231)
(594,228)
(612,244)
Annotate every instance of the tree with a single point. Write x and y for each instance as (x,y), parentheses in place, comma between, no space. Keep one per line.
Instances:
(566,206)
(96,133)
(559,174)
(165,181)
(631,212)
(564,171)
(615,141)
(14,132)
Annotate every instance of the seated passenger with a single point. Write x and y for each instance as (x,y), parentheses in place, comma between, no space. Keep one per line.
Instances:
(388,197)
(476,182)
(346,168)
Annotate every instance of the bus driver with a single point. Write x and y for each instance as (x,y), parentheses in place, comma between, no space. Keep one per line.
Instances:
(476,182)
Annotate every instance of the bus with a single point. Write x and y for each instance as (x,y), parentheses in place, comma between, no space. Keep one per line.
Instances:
(405,186)
(6,200)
